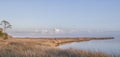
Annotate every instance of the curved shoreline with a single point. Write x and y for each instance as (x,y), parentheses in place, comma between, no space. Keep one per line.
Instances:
(54,42)
(42,47)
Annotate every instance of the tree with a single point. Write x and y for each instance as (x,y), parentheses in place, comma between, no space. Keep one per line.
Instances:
(5,25)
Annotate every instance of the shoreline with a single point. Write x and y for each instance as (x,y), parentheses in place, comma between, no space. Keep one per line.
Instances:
(46,47)
(54,42)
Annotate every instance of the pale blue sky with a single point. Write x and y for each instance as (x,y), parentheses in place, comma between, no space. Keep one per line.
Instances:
(80,14)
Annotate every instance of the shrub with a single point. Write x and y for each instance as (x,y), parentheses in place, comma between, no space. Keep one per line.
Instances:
(3,35)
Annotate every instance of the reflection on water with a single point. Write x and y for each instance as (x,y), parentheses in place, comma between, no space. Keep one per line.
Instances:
(107,46)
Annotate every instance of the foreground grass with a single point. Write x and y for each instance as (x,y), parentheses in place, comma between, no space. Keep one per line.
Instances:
(15,49)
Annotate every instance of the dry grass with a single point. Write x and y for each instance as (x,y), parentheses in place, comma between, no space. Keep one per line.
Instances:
(52,42)
(16,49)
(44,47)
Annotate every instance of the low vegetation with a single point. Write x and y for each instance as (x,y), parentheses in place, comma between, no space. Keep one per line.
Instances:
(54,42)
(3,35)
(44,47)
(15,49)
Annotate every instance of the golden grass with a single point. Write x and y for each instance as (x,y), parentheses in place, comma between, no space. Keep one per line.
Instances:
(16,49)
(45,47)
(52,42)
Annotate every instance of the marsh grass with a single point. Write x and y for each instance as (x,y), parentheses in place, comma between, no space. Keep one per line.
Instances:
(16,49)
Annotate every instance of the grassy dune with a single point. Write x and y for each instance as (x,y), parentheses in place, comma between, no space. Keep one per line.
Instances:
(15,49)
(52,42)
(45,47)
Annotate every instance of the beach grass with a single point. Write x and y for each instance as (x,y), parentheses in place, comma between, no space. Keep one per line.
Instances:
(15,49)
(45,47)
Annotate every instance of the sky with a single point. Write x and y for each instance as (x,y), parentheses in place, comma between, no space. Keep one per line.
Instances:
(71,14)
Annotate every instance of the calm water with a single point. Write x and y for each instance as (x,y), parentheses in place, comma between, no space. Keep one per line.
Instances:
(107,46)
(74,34)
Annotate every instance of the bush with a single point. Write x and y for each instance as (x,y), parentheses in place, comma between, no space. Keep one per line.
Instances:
(3,35)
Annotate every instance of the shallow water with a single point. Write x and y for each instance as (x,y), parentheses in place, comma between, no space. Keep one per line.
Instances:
(107,46)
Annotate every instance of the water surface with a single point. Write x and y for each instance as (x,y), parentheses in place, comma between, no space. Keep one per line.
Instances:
(107,46)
